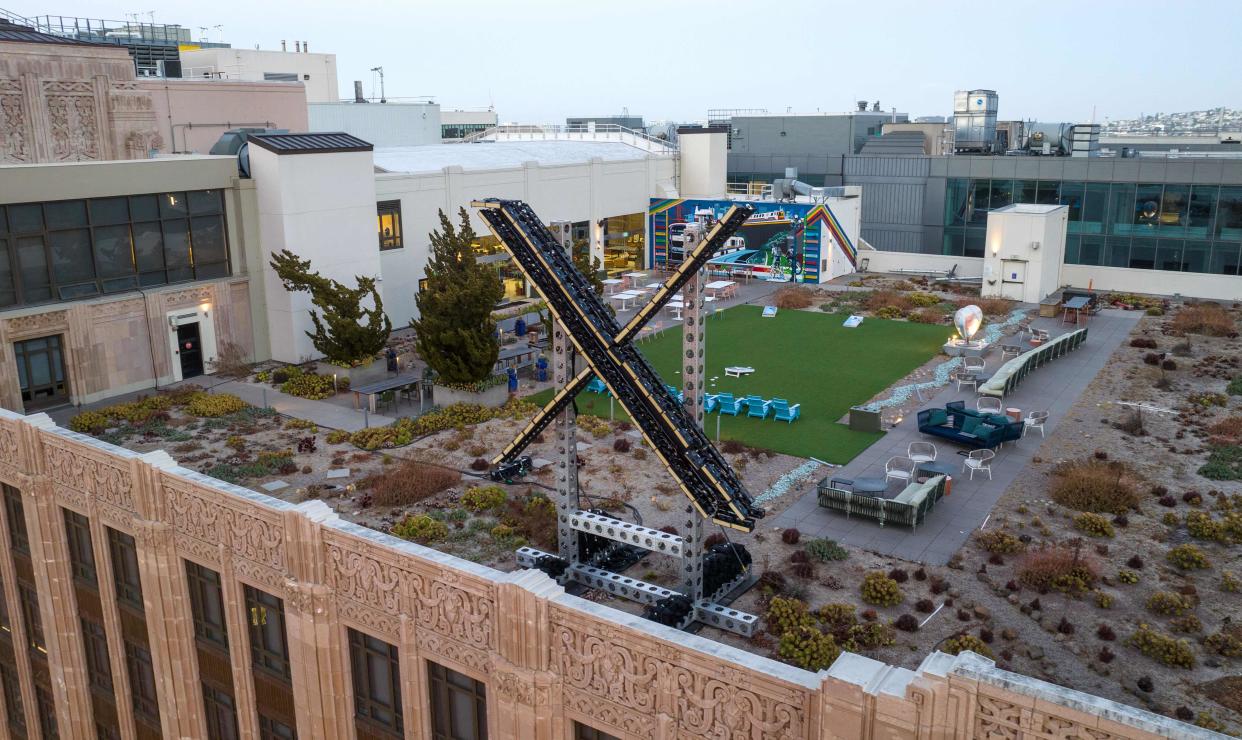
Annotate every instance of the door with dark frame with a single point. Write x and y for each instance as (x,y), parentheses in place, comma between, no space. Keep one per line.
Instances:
(190,350)
(41,372)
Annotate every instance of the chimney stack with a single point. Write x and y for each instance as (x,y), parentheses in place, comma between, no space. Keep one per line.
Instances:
(297,46)
(358,92)
(282,45)
(305,46)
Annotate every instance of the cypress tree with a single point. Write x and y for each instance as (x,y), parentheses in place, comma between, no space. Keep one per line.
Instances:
(345,331)
(454,332)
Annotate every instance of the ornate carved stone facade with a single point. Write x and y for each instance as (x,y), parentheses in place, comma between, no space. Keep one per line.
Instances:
(62,102)
(548,659)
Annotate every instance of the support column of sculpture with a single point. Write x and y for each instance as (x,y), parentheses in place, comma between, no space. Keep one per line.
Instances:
(692,378)
(566,446)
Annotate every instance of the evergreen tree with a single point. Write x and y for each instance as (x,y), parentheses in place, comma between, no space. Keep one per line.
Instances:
(455,332)
(345,330)
(589,266)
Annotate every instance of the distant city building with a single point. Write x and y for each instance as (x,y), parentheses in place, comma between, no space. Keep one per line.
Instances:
(761,146)
(624,120)
(458,124)
(316,71)
(1214,120)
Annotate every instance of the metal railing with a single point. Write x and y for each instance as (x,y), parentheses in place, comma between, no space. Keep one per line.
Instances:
(577,132)
(109,32)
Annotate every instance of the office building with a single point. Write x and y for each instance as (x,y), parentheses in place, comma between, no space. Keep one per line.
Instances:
(458,124)
(317,71)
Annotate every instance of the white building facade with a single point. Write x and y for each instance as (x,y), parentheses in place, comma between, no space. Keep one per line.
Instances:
(317,72)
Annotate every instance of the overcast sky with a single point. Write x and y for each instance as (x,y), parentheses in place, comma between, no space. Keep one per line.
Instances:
(541,60)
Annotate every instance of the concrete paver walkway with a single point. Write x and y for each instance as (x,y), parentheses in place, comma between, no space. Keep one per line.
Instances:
(1055,387)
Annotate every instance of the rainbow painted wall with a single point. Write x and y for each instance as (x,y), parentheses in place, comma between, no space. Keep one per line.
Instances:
(825,245)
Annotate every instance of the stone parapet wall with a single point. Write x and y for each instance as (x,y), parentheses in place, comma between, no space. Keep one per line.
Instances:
(547,659)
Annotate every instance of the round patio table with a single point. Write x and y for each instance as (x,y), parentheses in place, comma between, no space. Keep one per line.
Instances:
(870,485)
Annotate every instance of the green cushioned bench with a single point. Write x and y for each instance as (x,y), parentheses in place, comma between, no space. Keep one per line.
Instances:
(909,507)
(1009,375)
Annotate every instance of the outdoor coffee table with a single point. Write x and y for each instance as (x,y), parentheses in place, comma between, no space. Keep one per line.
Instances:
(938,468)
(738,371)
(870,485)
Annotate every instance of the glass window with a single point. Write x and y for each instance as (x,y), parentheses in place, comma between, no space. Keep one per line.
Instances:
(1228,215)
(1094,209)
(269,646)
(172,205)
(1071,195)
(955,197)
(270,729)
(1225,259)
(65,214)
(32,620)
(47,713)
(1147,208)
(207,604)
(975,239)
(13,710)
(36,284)
(125,568)
(26,219)
(1048,193)
(1123,214)
(204,201)
(624,243)
(144,208)
(221,713)
(207,236)
(1091,251)
(1174,209)
(40,372)
(98,664)
(376,672)
(1073,249)
(1143,254)
(81,556)
(15,513)
(389,215)
(1025,191)
(458,705)
(1194,255)
(1117,252)
(114,254)
(8,288)
(952,243)
(583,732)
(1169,255)
(177,251)
(142,682)
(71,258)
(149,252)
(1200,210)
(977,210)
(1001,194)
(108,211)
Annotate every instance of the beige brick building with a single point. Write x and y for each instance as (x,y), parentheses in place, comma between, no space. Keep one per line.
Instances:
(142,600)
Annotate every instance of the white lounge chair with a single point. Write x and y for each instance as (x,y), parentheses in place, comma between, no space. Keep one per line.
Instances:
(1035,420)
(901,468)
(979,460)
(921,452)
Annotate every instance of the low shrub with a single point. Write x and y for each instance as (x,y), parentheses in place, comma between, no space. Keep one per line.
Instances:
(1163,648)
(794,297)
(1103,600)
(1235,387)
(1106,633)
(1056,569)
(897,303)
(1143,343)
(926,606)
(1135,562)
(1000,542)
(1168,604)
(455,416)
(880,590)
(337,436)
(621,444)
(1227,644)
(1127,577)
(899,574)
(1223,463)
(1227,430)
(869,636)
(785,615)
(422,529)
(927,316)
(89,422)
(1094,525)
(484,498)
(907,623)
(1095,486)
(825,550)
(211,405)
(1209,319)
(965,641)
(408,483)
(1188,557)
(1202,526)
(1207,400)
(1189,624)
(1229,583)
(791,536)
(808,648)
(309,385)
(533,517)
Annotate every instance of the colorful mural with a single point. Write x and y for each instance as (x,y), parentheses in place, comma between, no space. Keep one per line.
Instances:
(781,241)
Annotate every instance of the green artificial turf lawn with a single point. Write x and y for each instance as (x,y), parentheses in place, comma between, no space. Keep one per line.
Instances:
(802,356)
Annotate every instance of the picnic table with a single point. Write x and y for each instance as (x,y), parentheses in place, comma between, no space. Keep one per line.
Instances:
(723,287)
(611,284)
(634,277)
(1077,304)
(517,356)
(371,390)
(625,296)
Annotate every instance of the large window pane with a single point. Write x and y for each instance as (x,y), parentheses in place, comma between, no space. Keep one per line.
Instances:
(1002,194)
(1147,208)
(71,256)
(203,202)
(65,214)
(109,211)
(1091,251)
(8,290)
(26,219)
(1048,193)
(32,269)
(1121,201)
(1071,195)
(1094,209)
(1143,254)
(1073,249)
(177,251)
(955,201)
(1024,191)
(1174,209)
(952,243)
(1117,252)
(1194,256)
(1225,259)
(977,213)
(975,242)
(113,252)
(144,207)
(207,238)
(172,205)
(1201,210)
(1228,215)
(1169,255)
(149,252)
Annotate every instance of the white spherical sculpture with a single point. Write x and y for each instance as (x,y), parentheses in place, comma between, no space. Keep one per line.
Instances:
(968,319)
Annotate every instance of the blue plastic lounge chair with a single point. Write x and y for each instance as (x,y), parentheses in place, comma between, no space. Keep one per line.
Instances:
(596,386)
(710,402)
(730,406)
(758,408)
(681,397)
(786,413)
